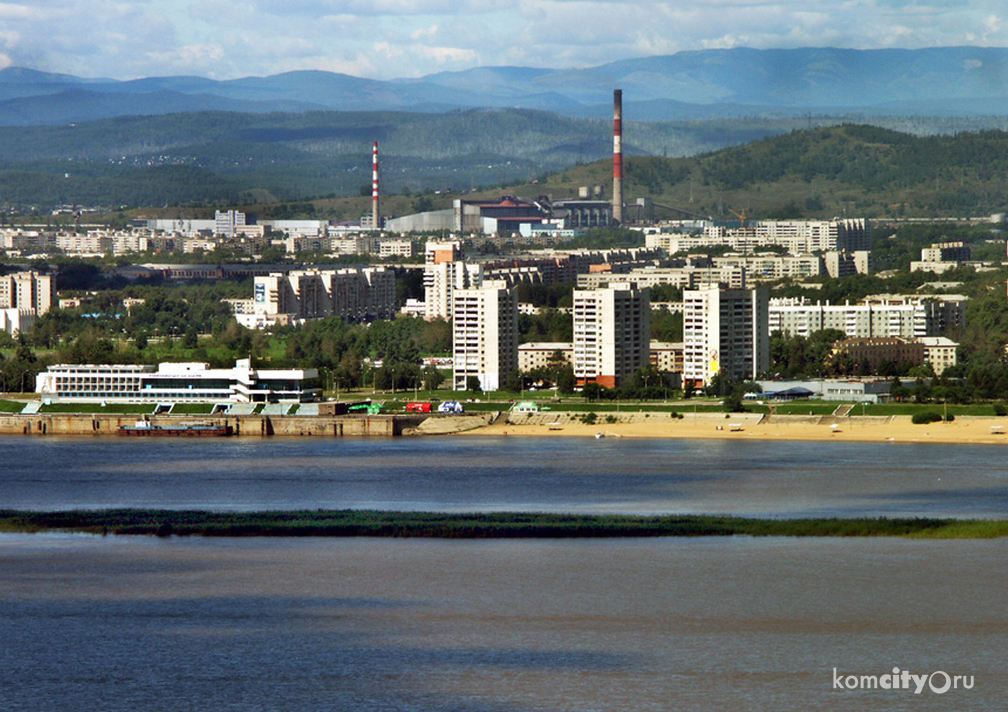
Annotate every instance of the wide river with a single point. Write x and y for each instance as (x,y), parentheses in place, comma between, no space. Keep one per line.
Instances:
(735,623)
(508,473)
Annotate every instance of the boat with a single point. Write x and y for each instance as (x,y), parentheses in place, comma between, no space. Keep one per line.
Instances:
(192,430)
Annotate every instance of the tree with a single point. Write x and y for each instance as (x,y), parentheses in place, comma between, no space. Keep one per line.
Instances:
(432,377)
(733,401)
(513,381)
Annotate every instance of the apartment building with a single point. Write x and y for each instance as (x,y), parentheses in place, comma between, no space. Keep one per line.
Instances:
(24,296)
(725,331)
(540,354)
(882,316)
(798,237)
(939,352)
(484,335)
(353,294)
(874,351)
(228,222)
(684,277)
(444,272)
(612,333)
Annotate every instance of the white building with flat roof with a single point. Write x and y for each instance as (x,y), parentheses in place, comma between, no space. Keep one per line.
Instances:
(444,272)
(484,335)
(28,291)
(725,331)
(939,352)
(889,316)
(612,333)
(540,354)
(176,383)
(352,293)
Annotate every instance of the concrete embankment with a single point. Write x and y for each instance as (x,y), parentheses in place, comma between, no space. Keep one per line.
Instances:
(243,425)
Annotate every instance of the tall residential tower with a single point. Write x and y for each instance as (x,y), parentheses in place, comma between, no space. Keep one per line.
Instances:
(612,333)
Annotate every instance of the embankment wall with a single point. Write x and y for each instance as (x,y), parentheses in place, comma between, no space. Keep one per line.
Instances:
(244,425)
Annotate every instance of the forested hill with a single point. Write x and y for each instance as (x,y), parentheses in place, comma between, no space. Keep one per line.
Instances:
(249,157)
(850,169)
(219,159)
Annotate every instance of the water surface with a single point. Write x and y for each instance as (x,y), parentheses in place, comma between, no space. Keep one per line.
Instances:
(112,624)
(509,474)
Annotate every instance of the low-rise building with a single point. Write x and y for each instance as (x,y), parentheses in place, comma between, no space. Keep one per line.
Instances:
(667,357)
(541,354)
(939,352)
(872,352)
(176,383)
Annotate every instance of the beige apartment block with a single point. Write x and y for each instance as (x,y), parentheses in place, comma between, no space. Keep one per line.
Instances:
(612,333)
(725,331)
(484,335)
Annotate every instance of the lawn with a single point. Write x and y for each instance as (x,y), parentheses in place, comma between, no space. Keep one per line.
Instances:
(125,408)
(192,408)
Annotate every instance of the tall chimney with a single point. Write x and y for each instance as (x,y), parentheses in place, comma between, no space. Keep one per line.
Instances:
(617,168)
(375,214)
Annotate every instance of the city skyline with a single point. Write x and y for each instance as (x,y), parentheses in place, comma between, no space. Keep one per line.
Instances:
(389,39)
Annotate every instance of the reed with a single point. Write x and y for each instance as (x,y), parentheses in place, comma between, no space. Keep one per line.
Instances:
(499,525)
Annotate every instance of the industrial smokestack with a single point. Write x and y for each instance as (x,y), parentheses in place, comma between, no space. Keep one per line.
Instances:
(617,168)
(375,219)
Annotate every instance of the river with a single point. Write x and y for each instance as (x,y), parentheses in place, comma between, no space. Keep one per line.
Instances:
(508,474)
(731,623)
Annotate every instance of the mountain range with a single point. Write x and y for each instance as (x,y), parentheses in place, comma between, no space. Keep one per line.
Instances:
(705,84)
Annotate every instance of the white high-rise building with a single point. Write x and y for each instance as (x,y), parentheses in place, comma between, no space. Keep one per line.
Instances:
(725,331)
(484,335)
(444,272)
(353,294)
(612,333)
(28,291)
(228,222)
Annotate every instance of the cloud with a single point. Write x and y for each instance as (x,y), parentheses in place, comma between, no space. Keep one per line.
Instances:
(406,38)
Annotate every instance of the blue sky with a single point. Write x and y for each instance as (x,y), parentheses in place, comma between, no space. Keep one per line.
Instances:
(383,39)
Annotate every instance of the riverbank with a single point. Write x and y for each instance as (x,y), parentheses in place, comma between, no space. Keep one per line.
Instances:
(502,525)
(752,426)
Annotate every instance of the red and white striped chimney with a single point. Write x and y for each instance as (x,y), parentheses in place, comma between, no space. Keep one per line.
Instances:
(375,214)
(617,168)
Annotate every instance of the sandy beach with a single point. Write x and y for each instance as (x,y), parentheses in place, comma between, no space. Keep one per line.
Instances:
(965,429)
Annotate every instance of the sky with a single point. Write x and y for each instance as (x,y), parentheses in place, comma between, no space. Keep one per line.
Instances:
(384,39)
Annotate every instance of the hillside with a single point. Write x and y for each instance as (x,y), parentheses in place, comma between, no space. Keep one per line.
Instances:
(843,170)
(851,170)
(283,156)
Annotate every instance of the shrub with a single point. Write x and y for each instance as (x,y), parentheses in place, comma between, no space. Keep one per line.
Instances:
(925,417)
(999,409)
(949,417)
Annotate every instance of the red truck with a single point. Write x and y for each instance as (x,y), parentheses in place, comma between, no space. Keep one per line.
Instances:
(418,407)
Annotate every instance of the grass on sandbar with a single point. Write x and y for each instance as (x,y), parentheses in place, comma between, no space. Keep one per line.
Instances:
(507,525)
